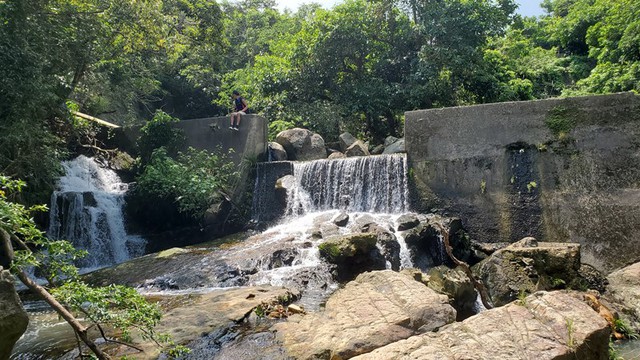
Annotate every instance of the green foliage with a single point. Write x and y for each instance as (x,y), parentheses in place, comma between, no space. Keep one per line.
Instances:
(114,306)
(623,328)
(159,132)
(531,185)
(184,187)
(571,333)
(522,298)
(613,352)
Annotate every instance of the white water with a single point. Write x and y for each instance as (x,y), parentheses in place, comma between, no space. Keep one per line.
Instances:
(86,209)
(375,184)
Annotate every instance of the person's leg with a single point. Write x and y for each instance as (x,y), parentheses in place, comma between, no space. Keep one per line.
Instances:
(238,120)
(232,120)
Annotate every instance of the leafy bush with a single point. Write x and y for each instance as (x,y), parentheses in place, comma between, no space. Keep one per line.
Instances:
(172,192)
(159,132)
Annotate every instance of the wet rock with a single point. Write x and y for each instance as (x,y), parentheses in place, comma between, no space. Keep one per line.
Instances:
(337,155)
(545,326)
(302,144)
(388,243)
(282,188)
(277,151)
(341,219)
(456,284)
(528,266)
(346,140)
(295,309)
(375,309)
(377,150)
(395,148)
(13,318)
(352,254)
(624,290)
(390,140)
(329,229)
(358,148)
(426,246)
(407,221)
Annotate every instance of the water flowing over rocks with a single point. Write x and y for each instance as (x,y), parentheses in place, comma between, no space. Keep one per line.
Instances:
(375,309)
(87,210)
(302,144)
(375,184)
(545,326)
(13,318)
(528,266)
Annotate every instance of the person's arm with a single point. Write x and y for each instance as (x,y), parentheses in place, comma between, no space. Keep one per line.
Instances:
(244,109)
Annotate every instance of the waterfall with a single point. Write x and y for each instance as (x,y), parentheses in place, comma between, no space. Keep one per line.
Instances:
(376,184)
(87,211)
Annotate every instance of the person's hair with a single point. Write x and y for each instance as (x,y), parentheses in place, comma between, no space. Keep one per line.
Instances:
(235,92)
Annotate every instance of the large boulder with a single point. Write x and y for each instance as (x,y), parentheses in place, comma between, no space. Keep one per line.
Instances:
(374,310)
(352,254)
(528,266)
(346,140)
(358,148)
(544,326)
(624,291)
(302,144)
(395,148)
(456,284)
(390,140)
(13,318)
(336,155)
(277,151)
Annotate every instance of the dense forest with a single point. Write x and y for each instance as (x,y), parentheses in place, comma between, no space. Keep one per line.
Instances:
(355,67)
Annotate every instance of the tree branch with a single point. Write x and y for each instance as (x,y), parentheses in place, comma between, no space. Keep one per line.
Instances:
(477,284)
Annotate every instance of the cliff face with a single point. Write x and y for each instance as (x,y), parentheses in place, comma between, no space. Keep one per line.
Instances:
(559,170)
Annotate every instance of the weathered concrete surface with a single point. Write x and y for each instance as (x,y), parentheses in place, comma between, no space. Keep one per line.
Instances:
(544,326)
(375,309)
(250,142)
(213,134)
(503,170)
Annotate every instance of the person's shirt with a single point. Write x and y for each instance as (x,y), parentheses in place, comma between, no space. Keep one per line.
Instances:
(239,101)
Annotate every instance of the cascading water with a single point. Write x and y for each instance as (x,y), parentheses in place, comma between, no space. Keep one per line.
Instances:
(87,211)
(376,184)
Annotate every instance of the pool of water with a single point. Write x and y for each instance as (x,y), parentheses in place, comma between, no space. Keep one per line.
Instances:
(629,350)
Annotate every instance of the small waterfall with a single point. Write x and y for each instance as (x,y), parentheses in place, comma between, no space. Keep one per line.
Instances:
(87,211)
(376,184)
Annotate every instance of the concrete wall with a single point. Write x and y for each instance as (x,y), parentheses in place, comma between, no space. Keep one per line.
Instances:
(250,142)
(502,169)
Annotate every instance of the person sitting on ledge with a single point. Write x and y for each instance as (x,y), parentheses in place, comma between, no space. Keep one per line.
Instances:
(240,109)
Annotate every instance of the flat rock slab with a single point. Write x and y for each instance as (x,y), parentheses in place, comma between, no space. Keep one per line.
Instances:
(191,316)
(375,309)
(547,325)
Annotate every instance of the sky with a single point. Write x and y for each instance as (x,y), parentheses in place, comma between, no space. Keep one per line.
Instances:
(526,7)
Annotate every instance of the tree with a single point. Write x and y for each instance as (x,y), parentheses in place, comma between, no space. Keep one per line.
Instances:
(114,306)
